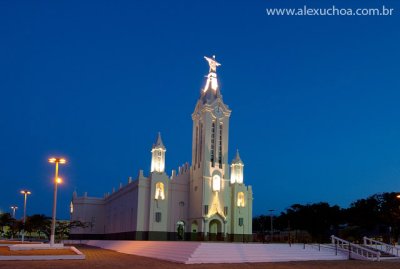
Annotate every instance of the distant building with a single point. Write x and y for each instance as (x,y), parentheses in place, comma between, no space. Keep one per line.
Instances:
(206,200)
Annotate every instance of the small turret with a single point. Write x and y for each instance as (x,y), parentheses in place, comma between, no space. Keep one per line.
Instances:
(237,169)
(158,156)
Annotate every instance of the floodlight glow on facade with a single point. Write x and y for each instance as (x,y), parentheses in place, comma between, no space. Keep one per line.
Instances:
(240,199)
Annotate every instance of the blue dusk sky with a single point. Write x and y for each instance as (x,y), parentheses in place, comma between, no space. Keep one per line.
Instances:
(315,99)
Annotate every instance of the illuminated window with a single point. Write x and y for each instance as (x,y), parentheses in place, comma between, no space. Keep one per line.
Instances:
(216,183)
(159,191)
(71,208)
(240,199)
(158,160)
(237,173)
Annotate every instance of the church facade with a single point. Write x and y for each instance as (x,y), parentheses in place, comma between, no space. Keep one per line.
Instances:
(206,200)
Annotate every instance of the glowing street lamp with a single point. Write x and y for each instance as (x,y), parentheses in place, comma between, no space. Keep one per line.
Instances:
(57,181)
(25,193)
(14,208)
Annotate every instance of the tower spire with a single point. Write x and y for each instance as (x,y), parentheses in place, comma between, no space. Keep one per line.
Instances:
(237,158)
(159,143)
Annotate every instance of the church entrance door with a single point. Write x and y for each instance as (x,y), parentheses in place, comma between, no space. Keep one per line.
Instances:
(215,230)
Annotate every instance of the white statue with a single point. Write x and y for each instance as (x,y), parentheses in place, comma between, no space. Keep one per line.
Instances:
(212,63)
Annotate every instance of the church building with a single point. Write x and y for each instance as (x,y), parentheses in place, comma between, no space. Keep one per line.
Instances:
(206,200)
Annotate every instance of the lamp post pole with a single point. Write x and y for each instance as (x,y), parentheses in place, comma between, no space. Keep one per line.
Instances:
(398,197)
(56,182)
(272,227)
(25,193)
(14,208)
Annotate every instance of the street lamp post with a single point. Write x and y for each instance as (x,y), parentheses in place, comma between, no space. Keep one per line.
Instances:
(14,208)
(398,197)
(25,193)
(56,182)
(272,227)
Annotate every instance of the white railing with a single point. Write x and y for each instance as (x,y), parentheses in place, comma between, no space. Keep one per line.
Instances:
(381,246)
(355,251)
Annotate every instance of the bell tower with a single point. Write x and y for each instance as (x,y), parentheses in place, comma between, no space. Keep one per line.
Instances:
(209,190)
(210,127)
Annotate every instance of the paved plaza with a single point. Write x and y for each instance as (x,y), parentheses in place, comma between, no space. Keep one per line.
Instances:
(106,259)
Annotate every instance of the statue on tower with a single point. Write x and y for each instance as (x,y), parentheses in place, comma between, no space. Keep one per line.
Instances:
(212,63)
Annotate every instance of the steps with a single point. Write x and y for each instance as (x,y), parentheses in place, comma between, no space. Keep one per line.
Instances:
(239,253)
(386,251)
(164,250)
(384,255)
(200,252)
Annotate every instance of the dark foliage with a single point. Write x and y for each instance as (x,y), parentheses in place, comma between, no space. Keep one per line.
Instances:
(375,216)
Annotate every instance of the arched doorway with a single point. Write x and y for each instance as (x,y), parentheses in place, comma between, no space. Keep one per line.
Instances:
(215,230)
(194,229)
(180,230)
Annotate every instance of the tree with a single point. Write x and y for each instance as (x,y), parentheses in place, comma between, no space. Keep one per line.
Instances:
(390,214)
(319,219)
(364,213)
(15,227)
(38,223)
(63,228)
(375,216)
(378,215)
(73,224)
(5,221)
(260,225)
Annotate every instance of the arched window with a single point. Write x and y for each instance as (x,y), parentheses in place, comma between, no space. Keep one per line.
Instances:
(212,149)
(216,183)
(159,191)
(220,147)
(240,199)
